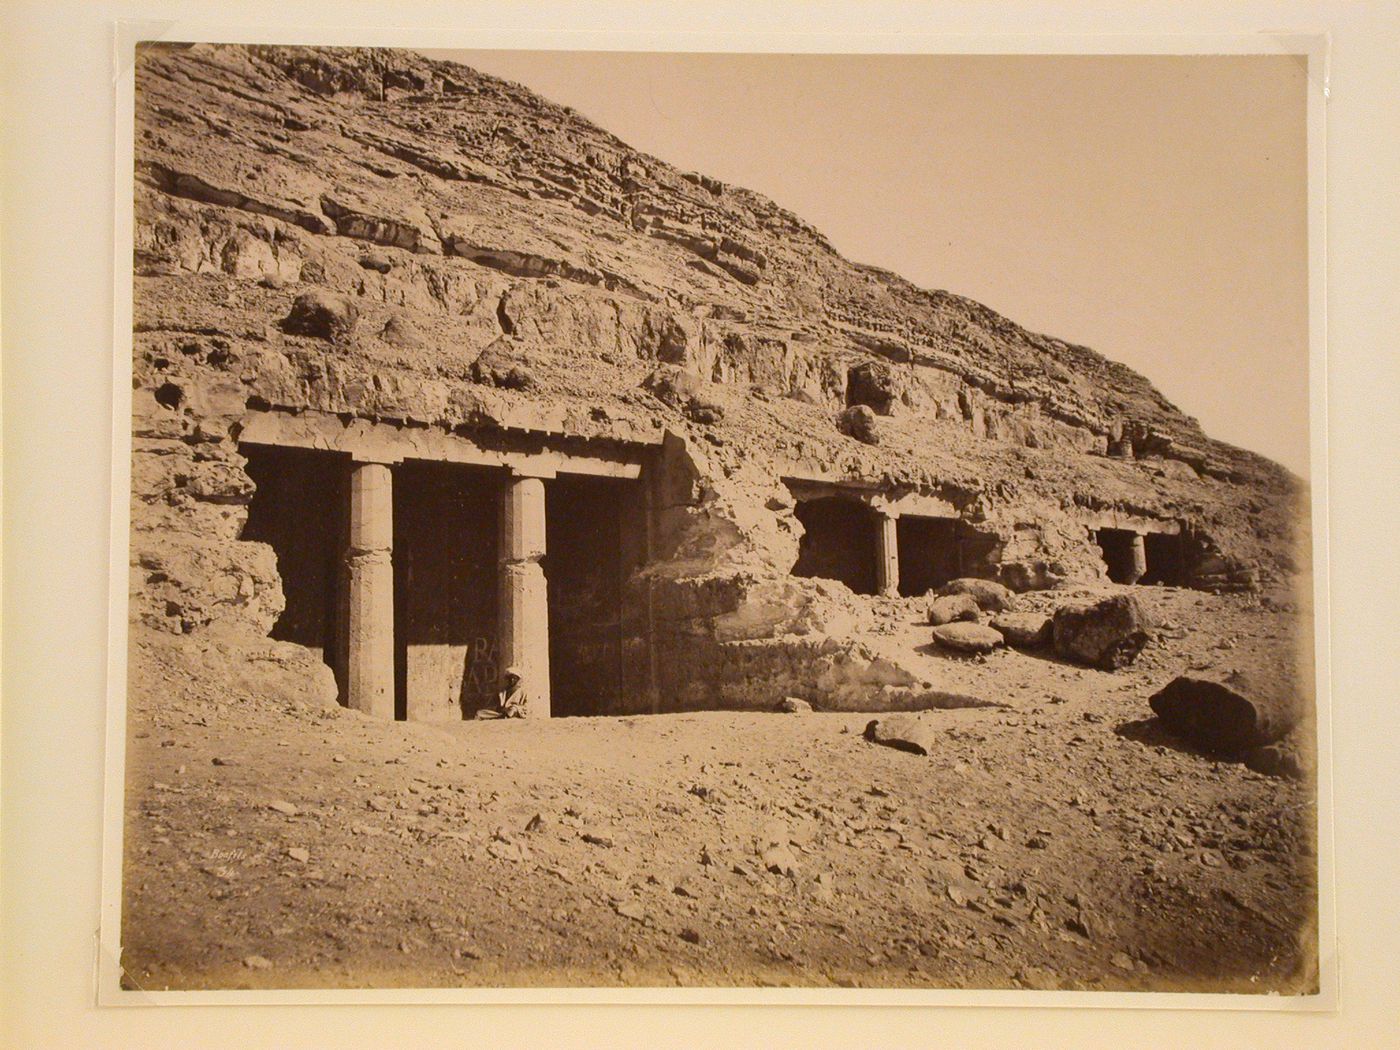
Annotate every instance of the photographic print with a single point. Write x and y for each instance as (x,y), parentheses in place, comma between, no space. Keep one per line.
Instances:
(719,520)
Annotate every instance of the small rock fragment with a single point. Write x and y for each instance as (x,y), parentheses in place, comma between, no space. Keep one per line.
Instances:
(779,860)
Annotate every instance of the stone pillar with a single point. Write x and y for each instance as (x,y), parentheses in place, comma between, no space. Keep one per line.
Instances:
(886,554)
(369,677)
(523,608)
(1139,568)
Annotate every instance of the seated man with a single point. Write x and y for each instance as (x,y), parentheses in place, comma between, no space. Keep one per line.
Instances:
(512,701)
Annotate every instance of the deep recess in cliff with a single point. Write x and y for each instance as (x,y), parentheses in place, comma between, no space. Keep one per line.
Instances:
(352,245)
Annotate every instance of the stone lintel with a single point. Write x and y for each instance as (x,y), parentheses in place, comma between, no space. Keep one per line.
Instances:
(1129,523)
(883,501)
(371,442)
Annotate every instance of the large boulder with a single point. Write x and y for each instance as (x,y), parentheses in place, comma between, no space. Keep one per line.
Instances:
(908,732)
(968,637)
(1108,633)
(871,383)
(1024,630)
(858,422)
(989,595)
(952,608)
(323,315)
(1231,712)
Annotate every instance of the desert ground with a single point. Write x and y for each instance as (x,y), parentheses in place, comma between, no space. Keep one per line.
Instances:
(1058,840)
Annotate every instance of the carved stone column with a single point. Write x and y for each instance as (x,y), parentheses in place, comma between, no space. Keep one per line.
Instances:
(1139,569)
(369,679)
(887,554)
(524,598)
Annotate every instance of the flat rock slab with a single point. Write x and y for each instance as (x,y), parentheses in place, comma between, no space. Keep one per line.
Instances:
(1024,630)
(1230,713)
(1107,634)
(913,731)
(989,595)
(968,637)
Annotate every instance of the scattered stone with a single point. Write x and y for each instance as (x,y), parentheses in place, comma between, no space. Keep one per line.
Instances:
(218,761)
(337,758)
(379,804)
(858,422)
(399,330)
(1231,713)
(593,838)
(535,823)
(687,887)
(1285,758)
(285,808)
(1024,630)
(257,962)
(968,637)
(793,706)
(630,910)
(498,368)
(685,391)
(323,315)
(299,855)
(914,731)
(953,608)
(989,595)
(1037,978)
(377,262)
(690,935)
(779,860)
(1107,634)
(512,851)
(1122,962)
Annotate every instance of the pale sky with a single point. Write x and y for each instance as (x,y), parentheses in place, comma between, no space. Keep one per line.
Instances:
(1152,208)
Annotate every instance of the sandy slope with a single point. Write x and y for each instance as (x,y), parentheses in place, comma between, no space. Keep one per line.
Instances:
(1060,841)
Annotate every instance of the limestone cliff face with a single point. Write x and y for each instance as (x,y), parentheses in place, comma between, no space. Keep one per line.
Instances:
(500,264)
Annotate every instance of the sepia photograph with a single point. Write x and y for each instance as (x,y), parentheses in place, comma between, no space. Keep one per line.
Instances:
(649,519)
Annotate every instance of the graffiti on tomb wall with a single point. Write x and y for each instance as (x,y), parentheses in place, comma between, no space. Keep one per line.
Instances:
(481,673)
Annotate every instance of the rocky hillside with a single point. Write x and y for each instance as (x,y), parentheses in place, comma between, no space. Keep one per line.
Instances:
(489,259)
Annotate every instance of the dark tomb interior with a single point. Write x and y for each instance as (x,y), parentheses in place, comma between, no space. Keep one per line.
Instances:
(839,542)
(1116,545)
(446,528)
(929,554)
(300,510)
(1166,560)
(586,539)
